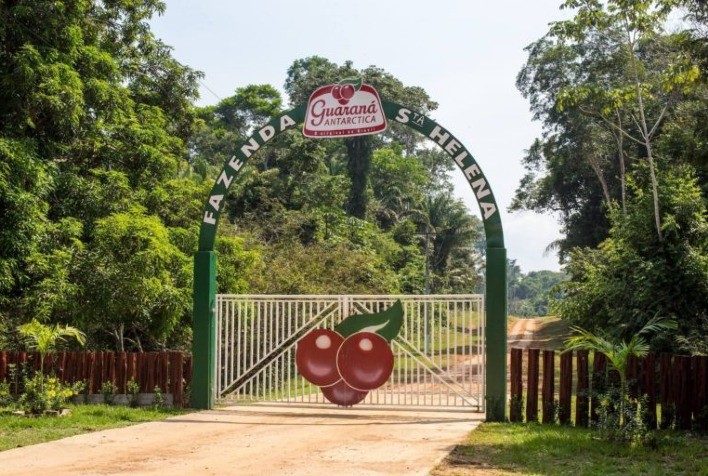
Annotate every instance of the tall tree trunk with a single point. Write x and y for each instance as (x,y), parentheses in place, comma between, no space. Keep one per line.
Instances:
(359,151)
(601,178)
(654,192)
(120,337)
(652,165)
(646,135)
(623,170)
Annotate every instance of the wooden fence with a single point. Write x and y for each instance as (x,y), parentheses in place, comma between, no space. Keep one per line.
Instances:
(676,387)
(171,371)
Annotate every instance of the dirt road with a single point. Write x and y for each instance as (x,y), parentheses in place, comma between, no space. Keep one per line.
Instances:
(539,332)
(522,332)
(257,439)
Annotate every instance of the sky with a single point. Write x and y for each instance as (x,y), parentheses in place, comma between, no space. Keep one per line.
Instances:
(465,54)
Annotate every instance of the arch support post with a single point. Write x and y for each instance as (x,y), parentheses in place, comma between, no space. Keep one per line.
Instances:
(495,333)
(204,331)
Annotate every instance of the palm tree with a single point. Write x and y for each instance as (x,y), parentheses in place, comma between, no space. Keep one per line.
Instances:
(452,228)
(44,338)
(619,353)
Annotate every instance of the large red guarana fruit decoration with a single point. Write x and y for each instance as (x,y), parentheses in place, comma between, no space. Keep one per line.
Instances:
(354,358)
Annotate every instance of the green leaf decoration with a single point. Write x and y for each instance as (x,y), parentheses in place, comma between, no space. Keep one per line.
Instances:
(385,323)
(356,82)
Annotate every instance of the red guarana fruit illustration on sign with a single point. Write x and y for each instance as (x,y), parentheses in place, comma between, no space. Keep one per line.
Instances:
(342,394)
(345,89)
(354,358)
(365,360)
(316,356)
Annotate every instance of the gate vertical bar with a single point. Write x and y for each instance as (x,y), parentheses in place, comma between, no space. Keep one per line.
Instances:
(204,331)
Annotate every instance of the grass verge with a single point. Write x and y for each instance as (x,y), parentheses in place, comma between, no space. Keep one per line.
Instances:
(16,431)
(506,448)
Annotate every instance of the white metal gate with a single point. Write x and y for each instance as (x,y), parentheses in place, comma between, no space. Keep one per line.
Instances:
(439,352)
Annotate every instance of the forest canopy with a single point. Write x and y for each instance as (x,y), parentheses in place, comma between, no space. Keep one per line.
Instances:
(105,163)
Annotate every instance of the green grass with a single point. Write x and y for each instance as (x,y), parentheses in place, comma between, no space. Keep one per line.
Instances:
(506,448)
(16,431)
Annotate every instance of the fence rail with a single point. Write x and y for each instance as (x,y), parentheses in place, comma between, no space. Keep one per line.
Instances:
(171,371)
(675,386)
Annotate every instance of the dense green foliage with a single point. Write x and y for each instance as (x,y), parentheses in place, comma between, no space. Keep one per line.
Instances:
(105,163)
(632,276)
(623,162)
(590,80)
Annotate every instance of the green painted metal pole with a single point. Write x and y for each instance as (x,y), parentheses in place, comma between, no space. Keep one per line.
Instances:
(495,334)
(204,331)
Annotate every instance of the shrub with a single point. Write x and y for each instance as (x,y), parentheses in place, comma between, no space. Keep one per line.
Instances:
(623,419)
(6,399)
(133,389)
(42,394)
(80,388)
(158,398)
(108,390)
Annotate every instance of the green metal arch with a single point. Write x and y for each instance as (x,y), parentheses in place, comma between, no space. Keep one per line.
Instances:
(204,328)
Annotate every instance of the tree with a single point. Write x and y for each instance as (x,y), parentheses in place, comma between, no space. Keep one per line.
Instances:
(590,80)
(306,74)
(398,184)
(648,87)
(450,232)
(633,276)
(137,282)
(44,338)
(94,114)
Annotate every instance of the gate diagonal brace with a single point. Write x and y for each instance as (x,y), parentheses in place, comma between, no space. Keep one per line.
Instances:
(435,371)
(278,351)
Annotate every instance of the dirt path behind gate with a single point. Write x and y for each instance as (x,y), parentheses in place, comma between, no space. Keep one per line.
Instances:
(257,439)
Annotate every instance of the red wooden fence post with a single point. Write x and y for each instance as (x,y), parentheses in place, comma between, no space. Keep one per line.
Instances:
(105,366)
(188,375)
(77,366)
(666,395)
(3,365)
(700,407)
(61,371)
(632,376)
(582,389)
(684,389)
(121,371)
(176,378)
(648,380)
(100,369)
(159,371)
(149,371)
(164,371)
(598,382)
(90,372)
(516,399)
(532,387)
(566,387)
(548,391)
(140,373)
(68,375)
(132,366)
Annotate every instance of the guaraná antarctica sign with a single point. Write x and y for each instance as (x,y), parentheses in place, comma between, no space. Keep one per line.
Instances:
(346,109)
(350,108)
